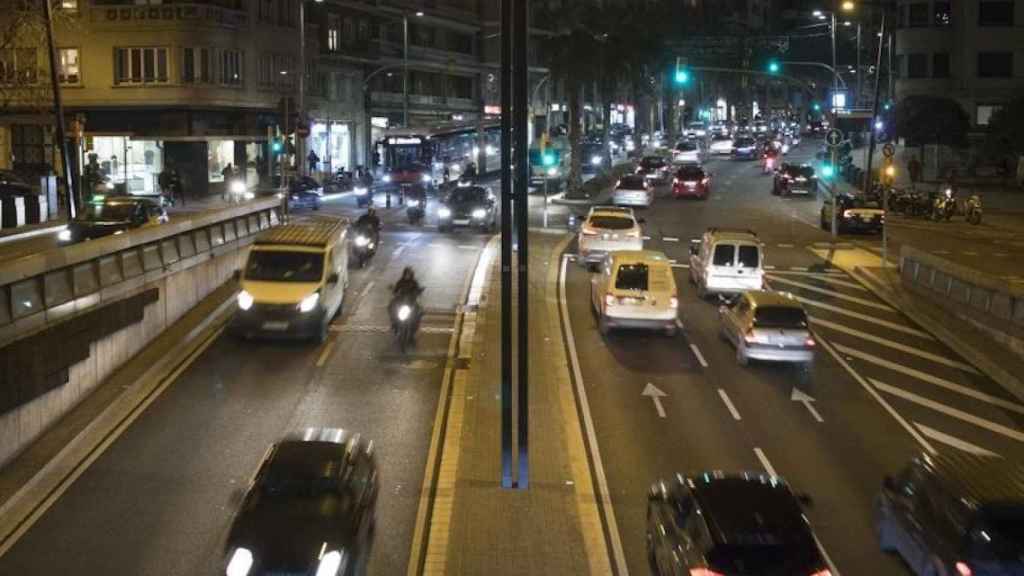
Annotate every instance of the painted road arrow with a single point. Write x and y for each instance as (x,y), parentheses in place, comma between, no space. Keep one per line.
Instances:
(806,399)
(656,395)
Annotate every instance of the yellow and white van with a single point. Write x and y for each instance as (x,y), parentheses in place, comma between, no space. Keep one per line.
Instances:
(294,280)
(635,289)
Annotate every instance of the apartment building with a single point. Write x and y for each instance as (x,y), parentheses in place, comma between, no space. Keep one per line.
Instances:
(971,50)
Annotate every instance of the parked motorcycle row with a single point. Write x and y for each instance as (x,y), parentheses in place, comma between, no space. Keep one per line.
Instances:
(938,206)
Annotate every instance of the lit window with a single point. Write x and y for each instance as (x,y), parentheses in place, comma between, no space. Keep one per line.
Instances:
(68,72)
(985,113)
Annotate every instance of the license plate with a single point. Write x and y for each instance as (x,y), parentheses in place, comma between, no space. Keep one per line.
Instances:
(461,222)
(275,326)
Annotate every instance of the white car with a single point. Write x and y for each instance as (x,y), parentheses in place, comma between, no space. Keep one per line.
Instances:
(721,145)
(726,261)
(635,289)
(633,190)
(696,130)
(608,229)
(686,152)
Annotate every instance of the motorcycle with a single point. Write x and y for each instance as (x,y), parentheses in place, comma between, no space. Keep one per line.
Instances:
(972,209)
(405,319)
(364,245)
(237,191)
(414,210)
(944,206)
(768,165)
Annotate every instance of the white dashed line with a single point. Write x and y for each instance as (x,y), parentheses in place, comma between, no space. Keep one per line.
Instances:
(785,245)
(728,404)
(764,462)
(466,247)
(670,239)
(398,251)
(700,357)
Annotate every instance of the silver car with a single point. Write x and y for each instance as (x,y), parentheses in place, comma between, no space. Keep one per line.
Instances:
(769,326)
(633,190)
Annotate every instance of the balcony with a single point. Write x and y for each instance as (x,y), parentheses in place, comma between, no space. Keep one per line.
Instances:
(185,15)
(394,100)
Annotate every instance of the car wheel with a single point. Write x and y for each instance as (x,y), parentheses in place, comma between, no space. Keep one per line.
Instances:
(741,355)
(602,326)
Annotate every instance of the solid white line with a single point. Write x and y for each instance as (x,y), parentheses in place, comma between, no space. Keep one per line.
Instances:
(828,559)
(604,496)
(840,295)
(37,232)
(398,251)
(669,239)
(954,441)
(687,266)
(831,279)
(925,377)
(894,345)
(874,393)
(798,268)
(365,291)
(466,247)
(700,357)
(864,317)
(728,404)
(940,407)
(325,353)
(764,461)
(768,267)
(785,245)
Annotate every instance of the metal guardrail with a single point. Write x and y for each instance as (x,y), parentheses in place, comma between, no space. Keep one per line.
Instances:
(35,289)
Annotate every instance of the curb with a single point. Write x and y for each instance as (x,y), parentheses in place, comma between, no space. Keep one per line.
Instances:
(975,356)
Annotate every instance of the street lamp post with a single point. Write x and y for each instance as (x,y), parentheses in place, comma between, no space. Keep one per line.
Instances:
(58,112)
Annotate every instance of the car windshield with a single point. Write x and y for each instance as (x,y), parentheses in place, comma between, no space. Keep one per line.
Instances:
(632,277)
(468,196)
(690,173)
(653,162)
(100,212)
(282,266)
(632,183)
(780,317)
(611,222)
(721,138)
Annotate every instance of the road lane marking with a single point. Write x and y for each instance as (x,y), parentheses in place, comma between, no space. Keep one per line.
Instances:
(729,405)
(839,295)
(954,441)
(764,462)
(325,353)
(677,265)
(873,393)
(969,253)
(925,377)
(466,247)
(364,292)
(798,268)
(700,357)
(938,359)
(655,394)
(864,317)
(830,278)
(806,399)
(785,245)
(646,237)
(603,495)
(810,273)
(948,411)
(398,251)
(828,559)
(669,239)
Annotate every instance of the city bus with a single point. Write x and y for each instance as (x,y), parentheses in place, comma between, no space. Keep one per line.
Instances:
(451,145)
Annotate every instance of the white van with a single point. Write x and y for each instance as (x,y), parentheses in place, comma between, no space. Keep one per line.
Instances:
(726,261)
(635,289)
(294,280)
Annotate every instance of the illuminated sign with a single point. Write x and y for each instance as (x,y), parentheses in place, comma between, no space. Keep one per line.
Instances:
(492,110)
(400,141)
(379,122)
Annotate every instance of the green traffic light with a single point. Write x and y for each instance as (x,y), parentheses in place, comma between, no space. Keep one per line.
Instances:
(817,107)
(682,76)
(828,171)
(276,146)
(773,67)
(549,159)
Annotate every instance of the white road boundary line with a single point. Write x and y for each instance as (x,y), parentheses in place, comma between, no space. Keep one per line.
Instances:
(874,393)
(669,239)
(829,278)
(325,353)
(729,405)
(925,377)
(864,317)
(700,357)
(398,251)
(764,462)
(938,359)
(603,494)
(839,295)
(958,414)
(955,442)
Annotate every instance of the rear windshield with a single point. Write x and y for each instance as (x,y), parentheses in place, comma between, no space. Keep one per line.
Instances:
(744,142)
(805,171)
(119,212)
(632,277)
(860,202)
(749,256)
(763,555)
(686,147)
(653,161)
(611,222)
(691,173)
(725,255)
(273,266)
(780,317)
(632,183)
(468,195)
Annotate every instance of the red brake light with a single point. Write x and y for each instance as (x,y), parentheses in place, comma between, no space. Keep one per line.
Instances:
(809,342)
(963,569)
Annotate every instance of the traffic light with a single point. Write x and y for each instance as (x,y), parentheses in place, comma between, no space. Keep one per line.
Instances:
(827,171)
(817,107)
(682,76)
(773,67)
(276,146)
(548,159)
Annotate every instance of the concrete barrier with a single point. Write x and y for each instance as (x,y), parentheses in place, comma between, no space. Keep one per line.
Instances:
(991,305)
(71,316)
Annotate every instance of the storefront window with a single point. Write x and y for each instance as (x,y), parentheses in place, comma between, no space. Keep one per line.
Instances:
(333,146)
(134,163)
(220,154)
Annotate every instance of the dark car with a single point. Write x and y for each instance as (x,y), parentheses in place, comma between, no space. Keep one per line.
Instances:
(853,214)
(305,192)
(309,509)
(594,156)
(717,523)
(112,215)
(795,179)
(745,148)
(468,207)
(955,513)
(653,168)
(13,185)
(691,180)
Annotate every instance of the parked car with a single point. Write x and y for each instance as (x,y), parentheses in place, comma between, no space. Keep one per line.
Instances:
(714,523)
(305,192)
(795,180)
(107,216)
(633,190)
(635,289)
(692,181)
(726,261)
(769,326)
(12,184)
(955,513)
(608,229)
(853,214)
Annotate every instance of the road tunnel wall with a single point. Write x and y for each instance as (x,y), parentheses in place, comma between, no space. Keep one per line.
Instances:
(71,317)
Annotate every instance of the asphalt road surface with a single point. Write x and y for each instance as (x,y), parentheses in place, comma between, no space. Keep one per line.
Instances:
(721,416)
(160,500)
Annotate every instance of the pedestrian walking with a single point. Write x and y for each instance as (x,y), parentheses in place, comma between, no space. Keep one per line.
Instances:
(914,169)
(313,160)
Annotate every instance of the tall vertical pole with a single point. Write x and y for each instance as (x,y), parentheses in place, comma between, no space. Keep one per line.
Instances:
(892,97)
(405,70)
(860,73)
(300,141)
(874,110)
(522,163)
(506,244)
(58,112)
(832,107)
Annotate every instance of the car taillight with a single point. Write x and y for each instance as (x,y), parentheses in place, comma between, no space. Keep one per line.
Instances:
(673,302)
(610,300)
(705,181)
(809,342)
(963,569)
(703,572)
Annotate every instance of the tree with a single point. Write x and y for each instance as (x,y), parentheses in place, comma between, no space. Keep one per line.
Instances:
(1006,130)
(24,59)
(938,120)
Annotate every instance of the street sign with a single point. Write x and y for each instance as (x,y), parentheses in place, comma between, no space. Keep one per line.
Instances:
(889,150)
(302,129)
(834,137)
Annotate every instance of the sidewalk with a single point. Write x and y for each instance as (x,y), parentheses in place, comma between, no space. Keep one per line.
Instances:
(554,527)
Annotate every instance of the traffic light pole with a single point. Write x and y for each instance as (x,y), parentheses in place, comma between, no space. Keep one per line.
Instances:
(832,188)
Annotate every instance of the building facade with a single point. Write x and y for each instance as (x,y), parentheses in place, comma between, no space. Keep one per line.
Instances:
(971,50)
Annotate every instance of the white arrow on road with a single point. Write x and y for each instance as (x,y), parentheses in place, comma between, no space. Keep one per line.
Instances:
(806,399)
(656,395)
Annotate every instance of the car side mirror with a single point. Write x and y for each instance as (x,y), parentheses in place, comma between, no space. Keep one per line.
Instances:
(237,275)
(333,278)
(889,483)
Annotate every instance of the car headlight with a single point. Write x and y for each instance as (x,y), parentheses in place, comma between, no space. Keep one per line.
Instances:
(489,150)
(362,240)
(413,203)
(238,187)
(240,563)
(552,171)
(386,178)
(309,302)
(331,564)
(404,311)
(361,191)
(479,213)
(595,160)
(444,213)
(245,300)
(64,235)
(425,178)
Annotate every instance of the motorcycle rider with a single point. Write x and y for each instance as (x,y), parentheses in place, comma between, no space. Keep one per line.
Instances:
(369,220)
(407,288)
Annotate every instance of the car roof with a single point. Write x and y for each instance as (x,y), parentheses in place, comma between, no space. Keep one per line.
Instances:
(609,208)
(732,234)
(978,478)
(632,256)
(737,504)
(772,298)
(611,214)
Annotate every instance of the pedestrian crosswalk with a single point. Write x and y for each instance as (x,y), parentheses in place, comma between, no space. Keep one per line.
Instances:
(943,400)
